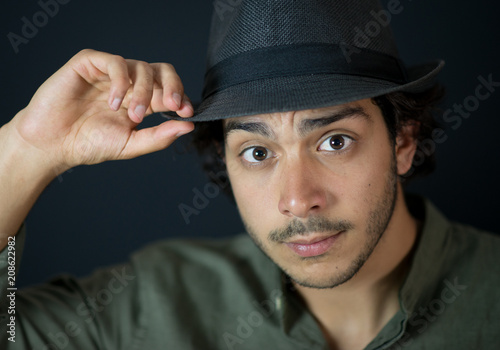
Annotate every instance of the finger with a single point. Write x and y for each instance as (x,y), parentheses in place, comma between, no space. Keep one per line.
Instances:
(172,93)
(120,81)
(114,66)
(157,104)
(187,109)
(154,139)
(142,76)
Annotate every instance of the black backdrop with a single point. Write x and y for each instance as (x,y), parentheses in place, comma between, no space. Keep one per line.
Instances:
(94,216)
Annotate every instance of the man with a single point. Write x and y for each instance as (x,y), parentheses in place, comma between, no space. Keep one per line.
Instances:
(317,136)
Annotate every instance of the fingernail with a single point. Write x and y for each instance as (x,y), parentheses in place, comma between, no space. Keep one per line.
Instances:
(177,99)
(188,104)
(116,103)
(182,132)
(140,111)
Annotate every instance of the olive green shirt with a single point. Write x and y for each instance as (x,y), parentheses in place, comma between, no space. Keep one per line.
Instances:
(226,294)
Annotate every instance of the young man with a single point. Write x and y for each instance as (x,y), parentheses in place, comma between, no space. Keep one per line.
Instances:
(317,134)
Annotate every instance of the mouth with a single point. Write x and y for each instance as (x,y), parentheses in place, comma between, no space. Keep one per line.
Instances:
(314,246)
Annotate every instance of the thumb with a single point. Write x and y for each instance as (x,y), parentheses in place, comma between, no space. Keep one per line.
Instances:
(154,139)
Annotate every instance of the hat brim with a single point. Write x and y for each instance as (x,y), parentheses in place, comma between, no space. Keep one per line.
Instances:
(304,92)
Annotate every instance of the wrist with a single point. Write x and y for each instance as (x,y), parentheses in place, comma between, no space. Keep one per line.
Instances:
(19,158)
(25,172)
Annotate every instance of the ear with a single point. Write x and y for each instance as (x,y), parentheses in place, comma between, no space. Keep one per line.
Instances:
(406,146)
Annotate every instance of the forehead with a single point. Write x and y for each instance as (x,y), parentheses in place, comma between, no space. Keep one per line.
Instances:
(303,121)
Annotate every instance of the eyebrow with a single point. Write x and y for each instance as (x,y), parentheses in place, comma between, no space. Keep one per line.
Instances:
(305,127)
(253,127)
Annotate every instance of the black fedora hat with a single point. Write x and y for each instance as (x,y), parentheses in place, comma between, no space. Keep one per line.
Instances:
(268,56)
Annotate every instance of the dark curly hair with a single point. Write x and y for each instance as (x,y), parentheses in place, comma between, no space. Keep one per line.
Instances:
(398,108)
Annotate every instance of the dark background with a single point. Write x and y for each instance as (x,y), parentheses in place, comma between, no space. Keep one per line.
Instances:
(94,216)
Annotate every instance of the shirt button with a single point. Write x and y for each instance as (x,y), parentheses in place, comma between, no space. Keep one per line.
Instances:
(278,303)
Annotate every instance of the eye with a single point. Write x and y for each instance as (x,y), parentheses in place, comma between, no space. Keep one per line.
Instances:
(335,143)
(255,154)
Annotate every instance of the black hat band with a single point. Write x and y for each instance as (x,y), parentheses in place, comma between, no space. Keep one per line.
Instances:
(302,59)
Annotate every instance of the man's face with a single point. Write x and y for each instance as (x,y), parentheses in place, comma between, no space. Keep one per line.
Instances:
(316,189)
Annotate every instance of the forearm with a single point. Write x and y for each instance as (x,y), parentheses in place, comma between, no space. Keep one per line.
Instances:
(24,173)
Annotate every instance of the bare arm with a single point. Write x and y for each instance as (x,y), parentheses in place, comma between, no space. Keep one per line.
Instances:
(23,176)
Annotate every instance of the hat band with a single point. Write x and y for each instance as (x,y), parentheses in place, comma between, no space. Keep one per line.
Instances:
(302,59)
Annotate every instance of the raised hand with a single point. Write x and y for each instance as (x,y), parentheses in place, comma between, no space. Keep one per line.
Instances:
(88,110)
(86,113)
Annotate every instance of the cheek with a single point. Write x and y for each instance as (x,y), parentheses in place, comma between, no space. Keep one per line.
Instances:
(252,195)
(365,179)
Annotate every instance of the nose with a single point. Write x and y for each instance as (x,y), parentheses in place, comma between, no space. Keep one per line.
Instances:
(302,190)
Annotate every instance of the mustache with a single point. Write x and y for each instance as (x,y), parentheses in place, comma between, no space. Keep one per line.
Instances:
(313,224)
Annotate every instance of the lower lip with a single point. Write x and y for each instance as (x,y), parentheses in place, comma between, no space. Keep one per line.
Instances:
(314,249)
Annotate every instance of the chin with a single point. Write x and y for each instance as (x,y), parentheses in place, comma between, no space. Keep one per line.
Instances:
(321,282)
(322,274)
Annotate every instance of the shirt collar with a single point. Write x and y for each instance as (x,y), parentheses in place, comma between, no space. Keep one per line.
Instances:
(429,259)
